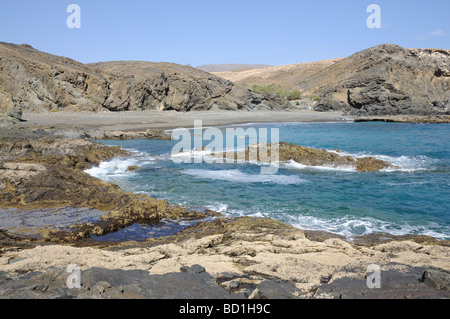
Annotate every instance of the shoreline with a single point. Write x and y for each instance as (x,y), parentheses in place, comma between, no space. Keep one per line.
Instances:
(156,122)
(133,121)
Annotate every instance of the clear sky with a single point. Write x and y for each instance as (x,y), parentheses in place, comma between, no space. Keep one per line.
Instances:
(200,32)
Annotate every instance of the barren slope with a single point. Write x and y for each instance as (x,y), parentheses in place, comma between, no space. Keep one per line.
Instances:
(289,76)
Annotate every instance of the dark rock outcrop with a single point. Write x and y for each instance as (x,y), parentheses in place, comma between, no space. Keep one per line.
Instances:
(385,80)
(34,80)
(99,283)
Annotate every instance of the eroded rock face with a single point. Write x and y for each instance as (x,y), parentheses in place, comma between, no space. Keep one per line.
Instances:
(33,80)
(307,156)
(385,80)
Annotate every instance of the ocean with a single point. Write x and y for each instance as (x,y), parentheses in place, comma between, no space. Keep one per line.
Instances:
(411,199)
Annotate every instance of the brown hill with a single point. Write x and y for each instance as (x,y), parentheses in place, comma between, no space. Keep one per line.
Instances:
(288,76)
(34,80)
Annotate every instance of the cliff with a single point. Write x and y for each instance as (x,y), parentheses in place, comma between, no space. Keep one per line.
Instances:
(385,80)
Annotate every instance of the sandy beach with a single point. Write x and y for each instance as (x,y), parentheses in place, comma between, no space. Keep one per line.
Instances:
(138,121)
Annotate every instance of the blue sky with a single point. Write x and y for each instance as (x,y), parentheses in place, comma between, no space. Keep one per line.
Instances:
(200,32)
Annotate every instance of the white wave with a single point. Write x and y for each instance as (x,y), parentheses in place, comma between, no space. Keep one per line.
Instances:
(114,167)
(198,156)
(294,165)
(408,163)
(218,207)
(238,176)
(191,156)
(350,226)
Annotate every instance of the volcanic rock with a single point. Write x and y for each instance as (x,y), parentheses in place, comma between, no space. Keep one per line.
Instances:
(385,80)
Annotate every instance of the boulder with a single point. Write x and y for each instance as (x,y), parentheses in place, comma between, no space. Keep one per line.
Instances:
(436,278)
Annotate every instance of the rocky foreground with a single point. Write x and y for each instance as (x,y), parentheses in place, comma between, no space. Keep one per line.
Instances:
(39,170)
(238,258)
(215,258)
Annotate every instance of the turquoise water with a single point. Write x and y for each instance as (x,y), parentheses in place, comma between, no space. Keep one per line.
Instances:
(411,200)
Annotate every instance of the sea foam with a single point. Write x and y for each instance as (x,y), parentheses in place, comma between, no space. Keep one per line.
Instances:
(114,167)
(240,177)
(294,165)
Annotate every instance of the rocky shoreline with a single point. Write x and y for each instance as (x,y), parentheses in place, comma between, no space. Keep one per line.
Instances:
(430,119)
(221,258)
(244,258)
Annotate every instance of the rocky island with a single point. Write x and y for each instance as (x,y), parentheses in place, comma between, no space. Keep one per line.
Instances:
(286,152)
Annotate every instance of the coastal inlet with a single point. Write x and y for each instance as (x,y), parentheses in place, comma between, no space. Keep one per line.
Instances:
(408,197)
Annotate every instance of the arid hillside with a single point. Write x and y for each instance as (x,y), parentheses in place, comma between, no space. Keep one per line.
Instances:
(288,76)
(31,80)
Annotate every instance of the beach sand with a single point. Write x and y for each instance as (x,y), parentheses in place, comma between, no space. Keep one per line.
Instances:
(142,120)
